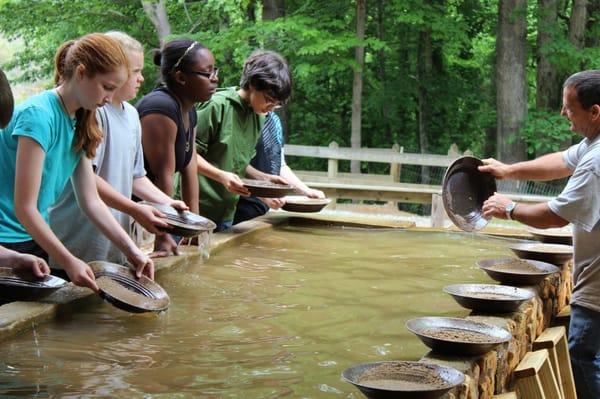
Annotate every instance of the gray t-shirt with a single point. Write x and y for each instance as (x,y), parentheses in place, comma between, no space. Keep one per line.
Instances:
(119,160)
(579,203)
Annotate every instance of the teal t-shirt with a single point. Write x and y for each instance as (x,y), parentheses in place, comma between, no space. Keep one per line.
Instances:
(42,119)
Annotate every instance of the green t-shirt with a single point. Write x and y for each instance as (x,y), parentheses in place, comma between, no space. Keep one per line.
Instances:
(227,132)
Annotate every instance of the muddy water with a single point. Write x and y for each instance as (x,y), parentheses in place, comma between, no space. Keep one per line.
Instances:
(282,315)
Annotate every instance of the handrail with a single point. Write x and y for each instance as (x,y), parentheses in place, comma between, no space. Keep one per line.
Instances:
(383,155)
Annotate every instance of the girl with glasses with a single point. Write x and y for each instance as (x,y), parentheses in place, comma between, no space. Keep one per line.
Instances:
(168,119)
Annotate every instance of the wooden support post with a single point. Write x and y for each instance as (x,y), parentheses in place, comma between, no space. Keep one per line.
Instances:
(508,395)
(453,151)
(332,164)
(563,318)
(438,213)
(534,377)
(554,339)
(396,168)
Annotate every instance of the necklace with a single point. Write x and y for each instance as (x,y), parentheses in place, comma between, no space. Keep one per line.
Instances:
(62,102)
(187,134)
(64,107)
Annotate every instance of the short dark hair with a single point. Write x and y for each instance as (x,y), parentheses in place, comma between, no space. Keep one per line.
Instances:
(175,55)
(587,86)
(268,72)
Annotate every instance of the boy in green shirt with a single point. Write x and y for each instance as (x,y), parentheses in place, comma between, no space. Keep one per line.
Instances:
(228,129)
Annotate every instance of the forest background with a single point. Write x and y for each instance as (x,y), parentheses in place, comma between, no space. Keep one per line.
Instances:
(484,74)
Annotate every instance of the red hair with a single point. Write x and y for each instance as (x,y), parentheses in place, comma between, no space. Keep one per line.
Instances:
(98,54)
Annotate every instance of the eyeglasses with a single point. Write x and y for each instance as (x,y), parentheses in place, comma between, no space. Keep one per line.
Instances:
(183,56)
(208,75)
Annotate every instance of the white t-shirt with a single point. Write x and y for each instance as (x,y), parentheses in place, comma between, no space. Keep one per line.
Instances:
(119,160)
(579,203)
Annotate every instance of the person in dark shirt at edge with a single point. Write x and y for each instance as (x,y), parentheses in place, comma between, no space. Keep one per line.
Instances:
(270,158)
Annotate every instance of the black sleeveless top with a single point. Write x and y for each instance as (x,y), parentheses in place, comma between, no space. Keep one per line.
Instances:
(160,101)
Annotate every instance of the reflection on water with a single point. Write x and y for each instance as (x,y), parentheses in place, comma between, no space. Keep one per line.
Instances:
(282,315)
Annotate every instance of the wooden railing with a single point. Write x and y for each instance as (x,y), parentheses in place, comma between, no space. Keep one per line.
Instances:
(381,187)
(395,156)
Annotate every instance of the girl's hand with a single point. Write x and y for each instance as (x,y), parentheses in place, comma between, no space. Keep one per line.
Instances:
(277,179)
(81,274)
(164,245)
(313,193)
(37,266)
(150,218)
(179,205)
(273,203)
(141,263)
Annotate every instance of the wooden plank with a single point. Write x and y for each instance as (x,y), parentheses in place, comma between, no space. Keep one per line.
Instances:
(438,213)
(387,191)
(535,378)
(411,197)
(382,155)
(508,395)
(554,339)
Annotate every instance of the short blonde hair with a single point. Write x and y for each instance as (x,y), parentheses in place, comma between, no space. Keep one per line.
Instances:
(128,43)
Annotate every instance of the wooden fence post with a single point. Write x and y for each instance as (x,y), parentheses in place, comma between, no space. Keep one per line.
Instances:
(395,168)
(438,213)
(453,151)
(332,164)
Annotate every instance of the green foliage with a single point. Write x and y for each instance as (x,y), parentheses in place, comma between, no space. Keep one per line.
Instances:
(318,39)
(546,132)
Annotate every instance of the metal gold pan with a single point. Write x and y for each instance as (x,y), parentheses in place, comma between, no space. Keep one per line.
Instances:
(488,298)
(464,190)
(119,286)
(515,276)
(430,329)
(266,189)
(184,224)
(408,372)
(23,285)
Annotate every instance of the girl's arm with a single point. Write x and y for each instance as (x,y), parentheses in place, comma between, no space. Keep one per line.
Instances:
(158,141)
(28,177)
(143,188)
(190,191)
(84,185)
(254,173)
(231,181)
(288,174)
(147,216)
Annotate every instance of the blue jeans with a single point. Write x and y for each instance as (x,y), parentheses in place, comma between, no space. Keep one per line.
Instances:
(224,225)
(584,348)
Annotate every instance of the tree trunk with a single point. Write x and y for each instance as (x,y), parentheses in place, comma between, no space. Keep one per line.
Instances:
(382,72)
(593,12)
(273,9)
(424,68)
(357,84)
(511,95)
(577,23)
(157,14)
(548,93)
